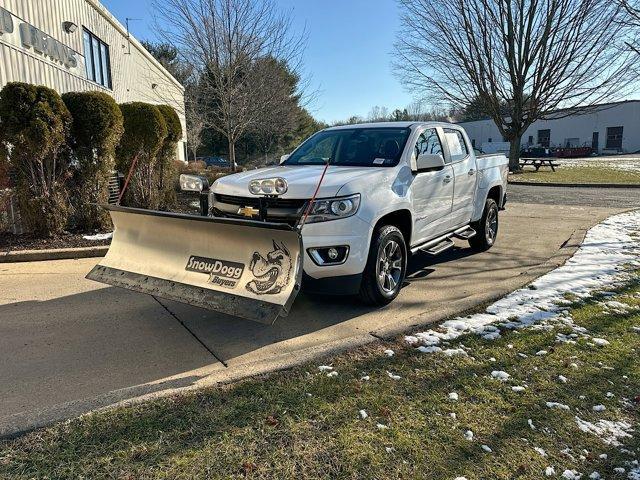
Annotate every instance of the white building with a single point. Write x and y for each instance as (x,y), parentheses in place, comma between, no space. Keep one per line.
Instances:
(77,45)
(612,128)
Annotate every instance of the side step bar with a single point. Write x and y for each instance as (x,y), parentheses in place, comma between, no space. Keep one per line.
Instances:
(444,242)
(465,234)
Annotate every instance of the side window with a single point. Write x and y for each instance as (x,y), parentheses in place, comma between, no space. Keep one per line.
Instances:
(457,146)
(428,142)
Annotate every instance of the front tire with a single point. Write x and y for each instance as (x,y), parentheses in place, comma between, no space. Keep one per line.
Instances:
(486,228)
(386,267)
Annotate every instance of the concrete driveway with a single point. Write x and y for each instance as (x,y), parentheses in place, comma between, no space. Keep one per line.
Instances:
(68,345)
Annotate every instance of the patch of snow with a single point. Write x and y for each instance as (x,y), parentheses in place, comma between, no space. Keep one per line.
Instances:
(460,478)
(325,368)
(606,430)
(541,353)
(634,474)
(389,353)
(452,352)
(571,475)
(453,396)
(518,388)
(636,329)
(452,415)
(431,349)
(332,374)
(500,375)
(388,449)
(381,426)
(468,435)
(601,342)
(560,406)
(530,422)
(366,378)
(540,451)
(562,378)
(598,263)
(493,359)
(486,448)
(599,408)
(363,414)
(595,476)
(549,471)
(393,376)
(98,236)
(619,470)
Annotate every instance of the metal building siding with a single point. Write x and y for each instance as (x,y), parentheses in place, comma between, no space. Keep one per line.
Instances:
(132,74)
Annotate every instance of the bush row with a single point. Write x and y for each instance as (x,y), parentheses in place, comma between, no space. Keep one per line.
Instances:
(63,150)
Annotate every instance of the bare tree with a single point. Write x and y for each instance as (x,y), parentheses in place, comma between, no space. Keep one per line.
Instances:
(224,40)
(195,116)
(534,56)
(632,8)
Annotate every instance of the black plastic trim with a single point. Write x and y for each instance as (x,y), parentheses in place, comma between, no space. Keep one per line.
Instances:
(341,285)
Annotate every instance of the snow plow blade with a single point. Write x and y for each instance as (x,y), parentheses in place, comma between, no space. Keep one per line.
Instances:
(243,268)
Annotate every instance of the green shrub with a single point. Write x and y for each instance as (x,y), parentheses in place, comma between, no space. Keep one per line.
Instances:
(144,132)
(165,166)
(96,130)
(34,129)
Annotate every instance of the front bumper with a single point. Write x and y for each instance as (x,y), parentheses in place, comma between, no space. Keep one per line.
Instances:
(351,231)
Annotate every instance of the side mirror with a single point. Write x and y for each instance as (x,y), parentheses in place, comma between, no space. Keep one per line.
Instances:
(429,161)
(193,183)
(284,157)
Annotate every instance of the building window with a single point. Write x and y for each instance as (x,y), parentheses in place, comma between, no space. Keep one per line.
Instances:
(544,138)
(614,138)
(97,60)
(530,140)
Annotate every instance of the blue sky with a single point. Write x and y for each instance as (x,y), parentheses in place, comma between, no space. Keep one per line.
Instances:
(348,56)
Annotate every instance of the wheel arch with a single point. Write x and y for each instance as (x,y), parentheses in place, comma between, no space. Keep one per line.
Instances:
(401,219)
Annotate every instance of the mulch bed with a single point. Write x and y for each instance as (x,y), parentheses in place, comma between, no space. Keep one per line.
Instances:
(10,242)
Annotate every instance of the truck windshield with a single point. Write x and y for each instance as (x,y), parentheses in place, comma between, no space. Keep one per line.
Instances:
(353,147)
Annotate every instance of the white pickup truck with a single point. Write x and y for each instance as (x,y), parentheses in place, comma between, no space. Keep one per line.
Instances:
(390,189)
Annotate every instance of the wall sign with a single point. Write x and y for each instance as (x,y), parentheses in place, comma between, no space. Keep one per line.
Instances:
(42,43)
(34,38)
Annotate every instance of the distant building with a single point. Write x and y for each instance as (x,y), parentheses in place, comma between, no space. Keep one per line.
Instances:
(611,128)
(77,45)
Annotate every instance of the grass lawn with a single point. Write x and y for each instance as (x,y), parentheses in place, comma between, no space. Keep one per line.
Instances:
(305,424)
(578,174)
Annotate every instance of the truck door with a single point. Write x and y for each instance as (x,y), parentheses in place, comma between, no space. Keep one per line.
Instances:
(432,191)
(465,175)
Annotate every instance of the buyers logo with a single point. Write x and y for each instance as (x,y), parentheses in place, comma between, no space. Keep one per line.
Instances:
(221,272)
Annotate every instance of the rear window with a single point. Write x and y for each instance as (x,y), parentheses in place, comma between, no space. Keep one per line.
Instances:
(457,146)
(357,147)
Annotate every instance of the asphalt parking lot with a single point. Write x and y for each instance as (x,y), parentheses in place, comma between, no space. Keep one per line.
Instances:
(68,345)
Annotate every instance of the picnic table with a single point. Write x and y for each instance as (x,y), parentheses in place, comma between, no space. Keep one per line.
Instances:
(540,162)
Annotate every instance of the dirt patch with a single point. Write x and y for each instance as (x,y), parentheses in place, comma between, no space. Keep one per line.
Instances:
(10,242)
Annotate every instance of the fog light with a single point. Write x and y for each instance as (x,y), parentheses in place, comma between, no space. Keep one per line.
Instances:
(329,255)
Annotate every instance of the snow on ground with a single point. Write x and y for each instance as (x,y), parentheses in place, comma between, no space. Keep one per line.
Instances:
(599,263)
(609,432)
(623,163)
(98,236)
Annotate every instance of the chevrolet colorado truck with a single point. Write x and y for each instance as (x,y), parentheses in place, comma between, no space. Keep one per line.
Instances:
(379,192)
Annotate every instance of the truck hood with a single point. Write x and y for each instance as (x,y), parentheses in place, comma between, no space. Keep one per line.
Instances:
(302,180)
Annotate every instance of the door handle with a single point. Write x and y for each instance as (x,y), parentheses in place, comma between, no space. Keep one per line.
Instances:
(472,172)
(446,179)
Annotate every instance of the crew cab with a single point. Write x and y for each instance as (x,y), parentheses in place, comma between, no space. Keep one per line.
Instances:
(389,190)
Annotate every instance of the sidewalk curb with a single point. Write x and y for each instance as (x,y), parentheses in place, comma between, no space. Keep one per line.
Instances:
(577,185)
(52,254)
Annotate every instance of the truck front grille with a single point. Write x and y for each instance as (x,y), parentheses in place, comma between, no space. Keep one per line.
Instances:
(281,210)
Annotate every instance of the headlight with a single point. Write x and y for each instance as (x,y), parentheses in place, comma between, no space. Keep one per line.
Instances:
(193,183)
(268,186)
(326,209)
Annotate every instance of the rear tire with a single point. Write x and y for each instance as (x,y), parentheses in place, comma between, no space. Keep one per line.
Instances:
(386,267)
(486,228)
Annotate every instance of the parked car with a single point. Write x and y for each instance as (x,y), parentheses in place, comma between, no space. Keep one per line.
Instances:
(214,161)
